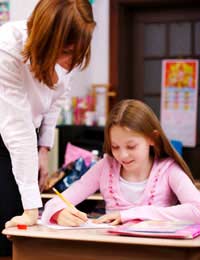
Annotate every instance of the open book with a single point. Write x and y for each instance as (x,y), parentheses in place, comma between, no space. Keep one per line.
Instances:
(153,228)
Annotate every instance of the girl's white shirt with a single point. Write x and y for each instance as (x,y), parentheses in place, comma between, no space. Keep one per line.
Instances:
(132,191)
(26,104)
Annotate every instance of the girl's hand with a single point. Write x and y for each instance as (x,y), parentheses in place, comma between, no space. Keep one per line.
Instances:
(111,218)
(29,218)
(43,166)
(71,217)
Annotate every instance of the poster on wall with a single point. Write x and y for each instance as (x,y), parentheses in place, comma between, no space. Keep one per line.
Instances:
(179,94)
(4,11)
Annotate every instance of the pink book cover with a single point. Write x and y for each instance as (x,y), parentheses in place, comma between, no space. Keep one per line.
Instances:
(159,229)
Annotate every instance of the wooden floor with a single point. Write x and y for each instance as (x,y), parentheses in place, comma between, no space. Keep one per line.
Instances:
(6,258)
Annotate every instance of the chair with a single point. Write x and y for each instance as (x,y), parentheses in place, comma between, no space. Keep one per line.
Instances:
(178,146)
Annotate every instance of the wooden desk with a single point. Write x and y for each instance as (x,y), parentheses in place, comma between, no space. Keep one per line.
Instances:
(39,242)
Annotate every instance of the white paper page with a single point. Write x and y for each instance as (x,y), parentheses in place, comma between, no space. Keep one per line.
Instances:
(88,225)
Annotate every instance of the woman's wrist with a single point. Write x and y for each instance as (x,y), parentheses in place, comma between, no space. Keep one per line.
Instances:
(44,149)
(33,213)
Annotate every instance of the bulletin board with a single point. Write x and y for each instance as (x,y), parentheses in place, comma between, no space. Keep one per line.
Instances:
(179,94)
(4,11)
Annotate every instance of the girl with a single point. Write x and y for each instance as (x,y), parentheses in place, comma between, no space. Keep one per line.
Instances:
(140,177)
(37,60)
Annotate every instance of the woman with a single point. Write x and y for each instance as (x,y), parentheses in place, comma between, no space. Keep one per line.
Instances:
(37,61)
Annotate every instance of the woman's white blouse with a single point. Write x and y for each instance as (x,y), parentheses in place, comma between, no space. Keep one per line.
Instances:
(26,104)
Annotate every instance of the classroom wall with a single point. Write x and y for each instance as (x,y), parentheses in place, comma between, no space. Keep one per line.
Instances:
(97,72)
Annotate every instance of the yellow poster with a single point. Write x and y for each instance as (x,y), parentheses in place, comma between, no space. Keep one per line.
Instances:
(179,93)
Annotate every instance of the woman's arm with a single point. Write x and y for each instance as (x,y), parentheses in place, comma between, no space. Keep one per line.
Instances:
(46,133)
(17,130)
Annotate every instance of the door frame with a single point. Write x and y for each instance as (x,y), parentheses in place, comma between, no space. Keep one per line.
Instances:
(115,44)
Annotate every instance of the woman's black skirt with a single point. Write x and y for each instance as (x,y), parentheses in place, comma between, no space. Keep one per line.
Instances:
(10,200)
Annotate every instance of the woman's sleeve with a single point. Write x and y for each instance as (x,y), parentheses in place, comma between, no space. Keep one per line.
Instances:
(186,193)
(46,134)
(77,192)
(17,130)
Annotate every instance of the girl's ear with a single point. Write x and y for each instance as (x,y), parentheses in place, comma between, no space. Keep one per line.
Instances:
(155,135)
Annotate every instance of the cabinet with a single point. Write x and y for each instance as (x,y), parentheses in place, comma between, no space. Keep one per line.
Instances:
(87,137)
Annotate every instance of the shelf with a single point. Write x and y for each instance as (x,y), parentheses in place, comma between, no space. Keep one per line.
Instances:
(94,128)
(96,196)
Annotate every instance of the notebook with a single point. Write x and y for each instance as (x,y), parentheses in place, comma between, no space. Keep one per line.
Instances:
(160,229)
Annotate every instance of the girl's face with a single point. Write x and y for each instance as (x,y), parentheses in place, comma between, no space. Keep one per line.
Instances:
(130,149)
(65,58)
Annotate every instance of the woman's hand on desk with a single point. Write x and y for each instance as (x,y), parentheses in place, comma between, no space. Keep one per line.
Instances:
(43,166)
(113,218)
(29,218)
(71,217)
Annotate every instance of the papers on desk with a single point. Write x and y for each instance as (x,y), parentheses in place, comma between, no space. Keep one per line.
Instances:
(165,229)
(88,225)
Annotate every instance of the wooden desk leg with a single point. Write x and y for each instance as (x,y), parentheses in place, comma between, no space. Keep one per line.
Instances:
(51,249)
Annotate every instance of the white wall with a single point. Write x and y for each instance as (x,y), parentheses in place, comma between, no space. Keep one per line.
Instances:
(100,43)
(97,72)
(21,9)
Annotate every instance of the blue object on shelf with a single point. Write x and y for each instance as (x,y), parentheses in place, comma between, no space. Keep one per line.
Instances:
(78,169)
(178,146)
(91,1)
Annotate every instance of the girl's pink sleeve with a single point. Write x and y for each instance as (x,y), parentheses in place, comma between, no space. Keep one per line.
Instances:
(76,193)
(187,194)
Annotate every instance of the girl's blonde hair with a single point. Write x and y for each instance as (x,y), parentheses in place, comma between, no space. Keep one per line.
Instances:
(53,26)
(140,118)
